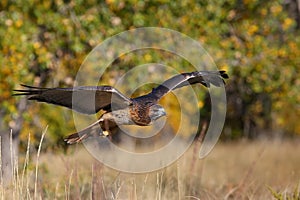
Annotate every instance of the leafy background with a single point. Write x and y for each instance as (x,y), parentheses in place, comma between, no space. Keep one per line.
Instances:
(43,43)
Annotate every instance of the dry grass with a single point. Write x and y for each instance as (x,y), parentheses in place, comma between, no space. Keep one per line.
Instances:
(234,170)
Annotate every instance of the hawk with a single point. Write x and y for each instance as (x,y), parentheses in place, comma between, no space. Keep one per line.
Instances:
(117,108)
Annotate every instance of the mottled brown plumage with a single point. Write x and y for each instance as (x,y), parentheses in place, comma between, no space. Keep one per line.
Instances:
(118,109)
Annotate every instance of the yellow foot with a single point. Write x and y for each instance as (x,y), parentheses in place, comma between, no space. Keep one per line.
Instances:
(105,133)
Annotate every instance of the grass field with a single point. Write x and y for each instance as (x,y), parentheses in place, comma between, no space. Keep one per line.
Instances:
(234,170)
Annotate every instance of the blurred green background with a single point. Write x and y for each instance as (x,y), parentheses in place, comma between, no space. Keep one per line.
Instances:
(43,44)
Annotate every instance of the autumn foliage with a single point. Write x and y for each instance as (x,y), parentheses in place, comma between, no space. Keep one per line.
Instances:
(257,42)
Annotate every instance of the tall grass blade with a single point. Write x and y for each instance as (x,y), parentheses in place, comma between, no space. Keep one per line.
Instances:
(37,162)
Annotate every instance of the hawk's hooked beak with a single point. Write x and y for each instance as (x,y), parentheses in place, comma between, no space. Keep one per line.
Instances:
(156,112)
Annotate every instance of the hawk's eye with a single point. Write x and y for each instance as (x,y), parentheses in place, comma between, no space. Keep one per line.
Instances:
(148,103)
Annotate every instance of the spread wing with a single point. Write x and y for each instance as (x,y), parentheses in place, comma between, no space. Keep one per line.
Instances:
(84,99)
(206,78)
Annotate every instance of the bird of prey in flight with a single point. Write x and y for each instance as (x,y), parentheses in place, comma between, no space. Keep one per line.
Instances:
(118,109)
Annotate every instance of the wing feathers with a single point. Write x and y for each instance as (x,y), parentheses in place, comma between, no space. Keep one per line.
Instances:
(84,99)
(205,78)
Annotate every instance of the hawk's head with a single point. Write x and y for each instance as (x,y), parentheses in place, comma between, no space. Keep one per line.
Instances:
(156,112)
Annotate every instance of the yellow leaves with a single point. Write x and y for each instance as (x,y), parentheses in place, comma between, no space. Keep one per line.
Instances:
(249,45)
(42,52)
(280,120)
(276,9)
(184,19)
(147,57)
(210,24)
(122,56)
(110,1)
(202,39)
(19,23)
(281,52)
(284,118)
(200,104)
(252,29)
(219,54)
(263,12)
(292,46)
(36,45)
(43,55)
(46,4)
(264,76)
(172,106)
(258,39)
(247,2)
(66,22)
(257,107)
(287,23)
(225,43)
(6,94)
(11,59)
(115,5)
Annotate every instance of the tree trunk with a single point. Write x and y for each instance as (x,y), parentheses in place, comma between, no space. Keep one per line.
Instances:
(9,156)
(293,9)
